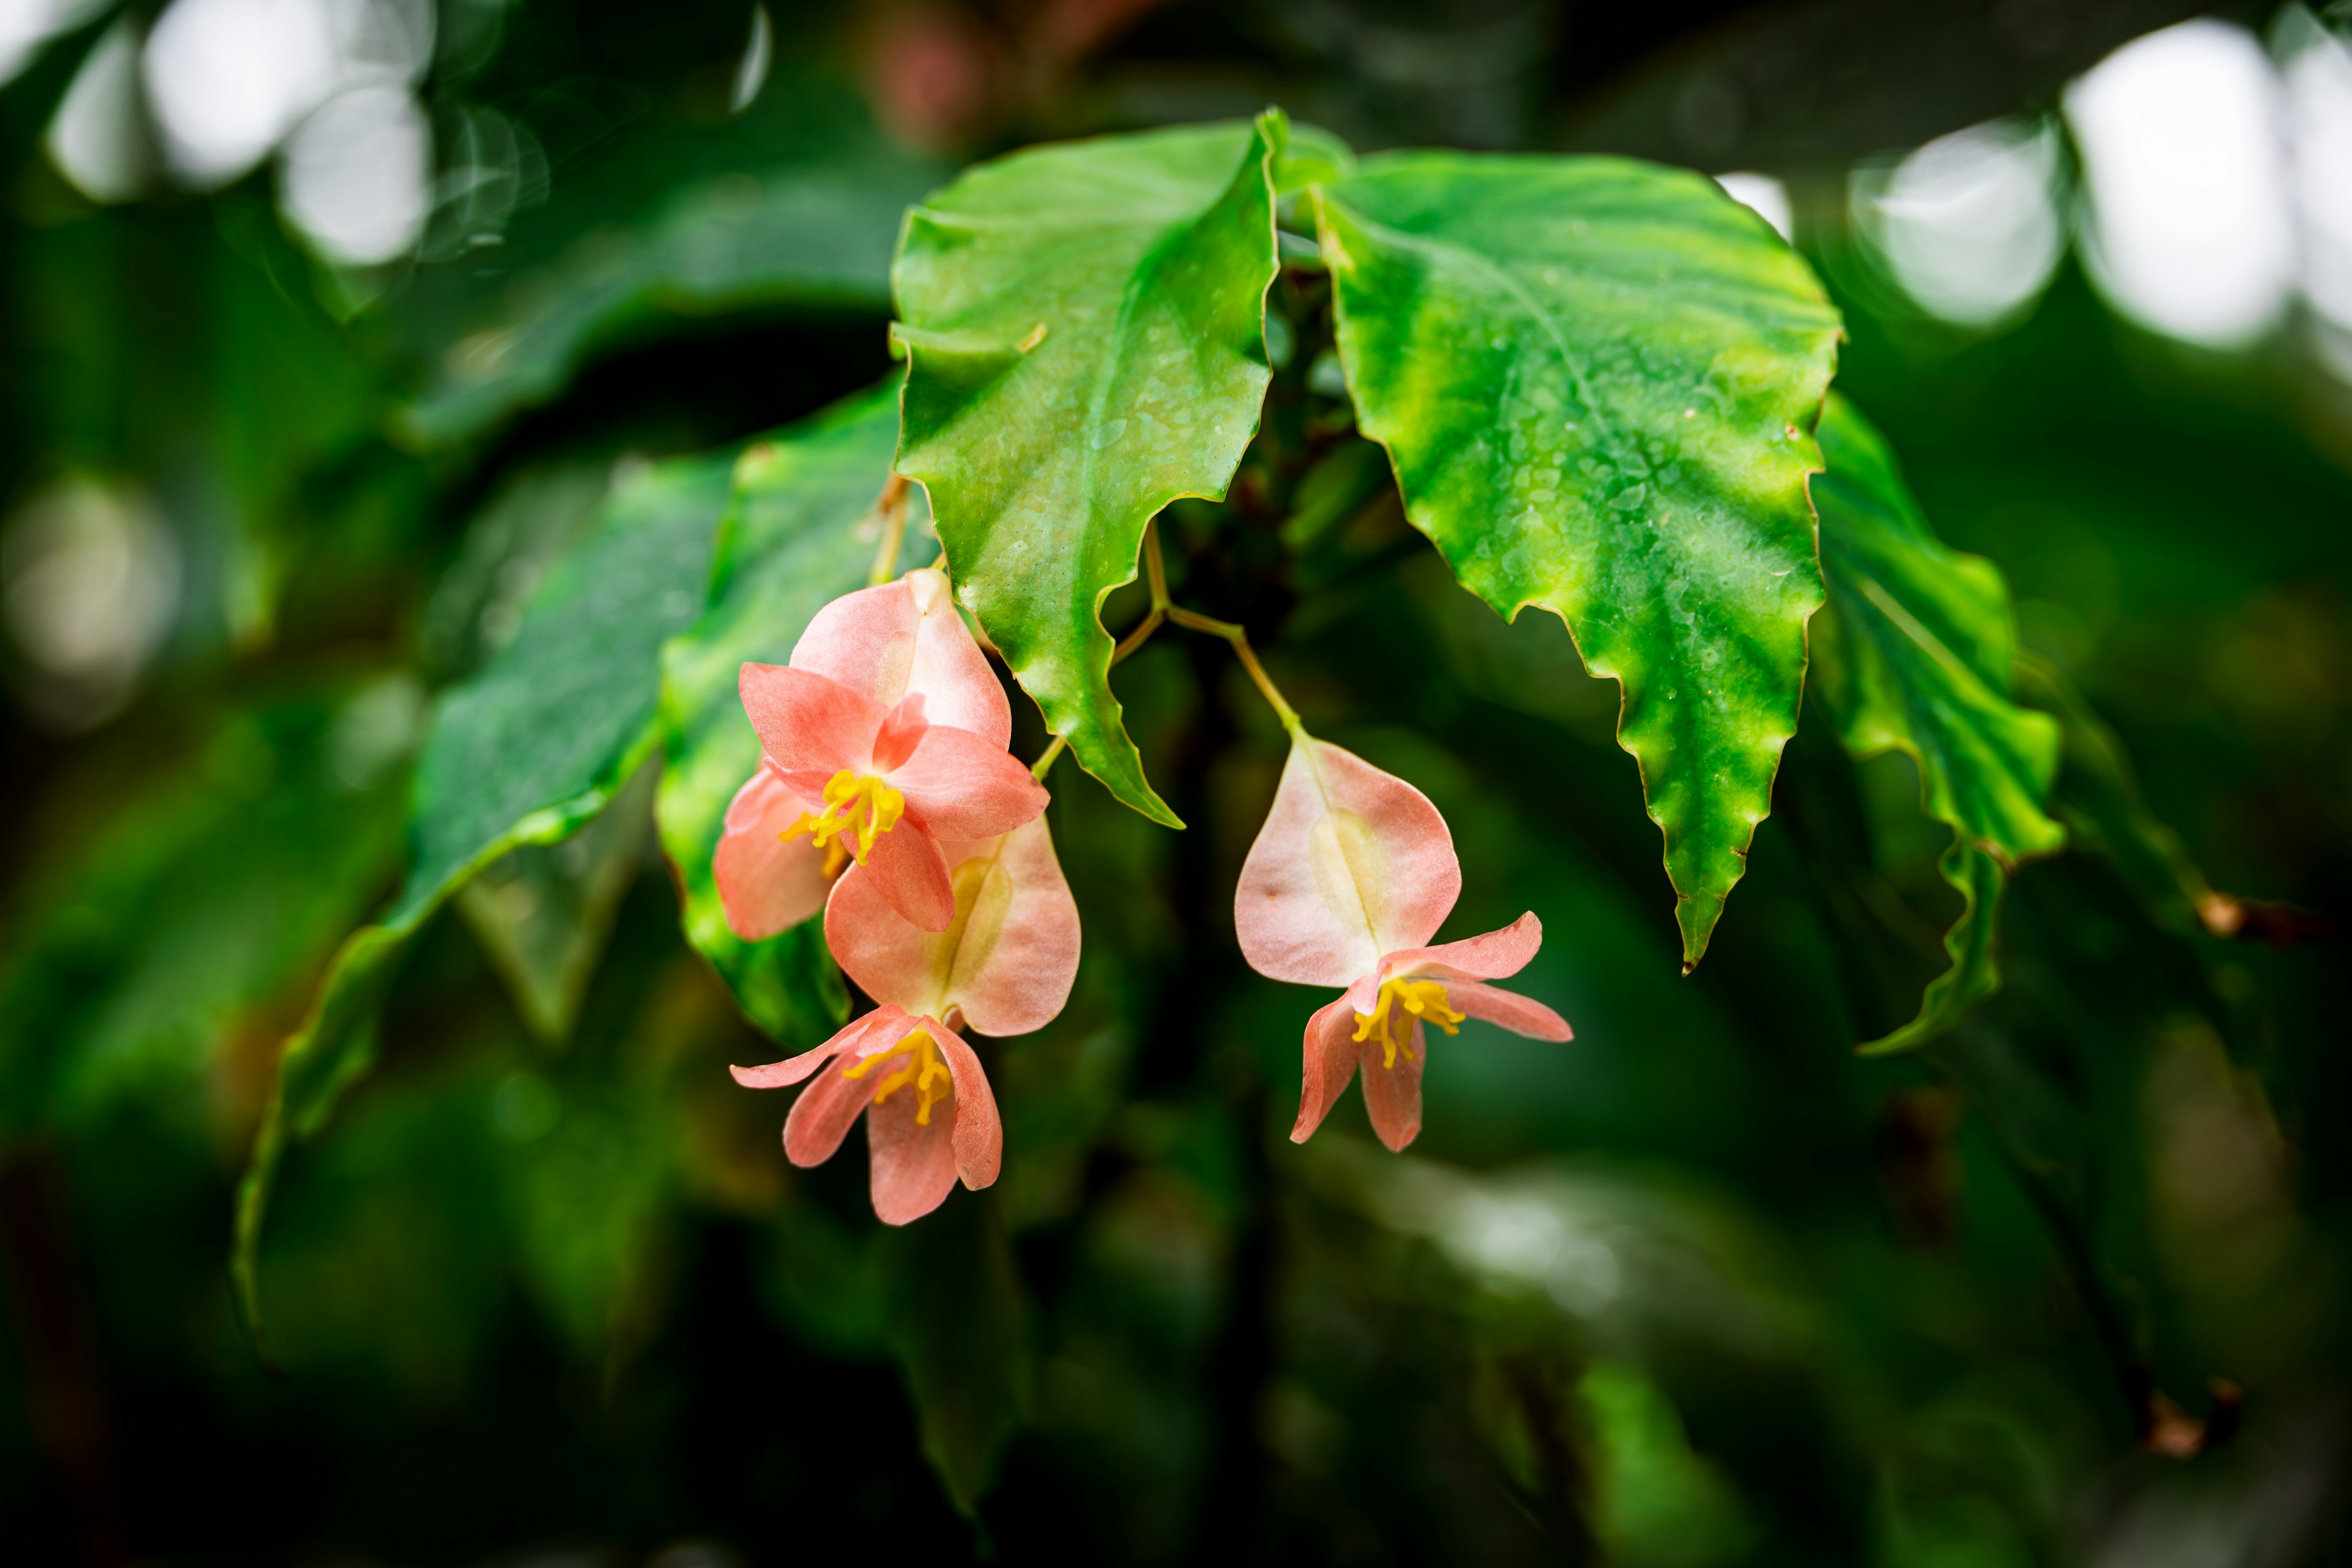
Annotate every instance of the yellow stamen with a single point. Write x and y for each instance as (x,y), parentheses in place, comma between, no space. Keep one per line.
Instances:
(923,1070)
(846,797)
(1390,1019)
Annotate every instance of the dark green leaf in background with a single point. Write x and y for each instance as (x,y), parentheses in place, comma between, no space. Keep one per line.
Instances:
(802,530)
(541,912)
(1084,331)
(819,235)
(525,752)
(1913,655)
(959,1323)
(1594,378)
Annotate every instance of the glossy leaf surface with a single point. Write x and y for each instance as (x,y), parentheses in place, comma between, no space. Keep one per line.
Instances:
(1084,331)
(817,236)
(1594,378)
(524,752)
(1913,655)
(801,531)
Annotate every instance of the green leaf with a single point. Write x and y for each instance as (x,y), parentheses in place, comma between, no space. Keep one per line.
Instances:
(803,530)
(959,1324)
(1913,655)
(817,236)
(525,752)
(1085,328)
(1594,378)
(542,911)
(2098,798)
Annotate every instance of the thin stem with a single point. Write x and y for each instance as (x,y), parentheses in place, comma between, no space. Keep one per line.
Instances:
(892,506)
(1193,621)
(1162,613)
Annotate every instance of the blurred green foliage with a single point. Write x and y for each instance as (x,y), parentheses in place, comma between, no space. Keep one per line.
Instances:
(1702,1287)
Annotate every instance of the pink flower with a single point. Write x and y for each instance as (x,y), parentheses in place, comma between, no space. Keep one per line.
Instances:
(890,732)
(1004,965)
(1350,877)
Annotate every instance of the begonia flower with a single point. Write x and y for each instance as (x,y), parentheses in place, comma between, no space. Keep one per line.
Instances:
(1003,966)
(1350,877)
(890,730)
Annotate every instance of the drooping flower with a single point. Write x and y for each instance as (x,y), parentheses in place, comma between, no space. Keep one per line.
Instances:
(1350,877)
(889,732)
(1003,966)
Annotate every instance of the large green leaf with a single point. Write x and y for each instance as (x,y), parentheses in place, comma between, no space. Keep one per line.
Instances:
(1086,337)
(1913,655)
(959,1324)
(803,529)
(524,752)
(1594,378)
(817,236)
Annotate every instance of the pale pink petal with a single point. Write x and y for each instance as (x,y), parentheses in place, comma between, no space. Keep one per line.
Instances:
(1352,863)
(961,785)
(914,1166)
(1496,955)
(1007,959)
(1520,1014)
(821,1117)
(765,884)
(1392,1094)
(902,731)
(850,1036)
(811,727)
(979,1130)
(905,638)
(1329,1063)
(908,870)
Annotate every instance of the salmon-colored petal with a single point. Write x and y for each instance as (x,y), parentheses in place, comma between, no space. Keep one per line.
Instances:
(1496,955)
(1520,1014)
(1392,1093)
(902,731)
(1352,863)
(1330,1062)
(794,1068)
(765,884)
(821,1117)
(811,727)
(905,638)
(914,1166)
(1009,956)
(962,785)
(908,870)
(979,1130)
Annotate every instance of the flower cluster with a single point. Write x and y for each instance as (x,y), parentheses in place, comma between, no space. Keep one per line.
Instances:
(887,798)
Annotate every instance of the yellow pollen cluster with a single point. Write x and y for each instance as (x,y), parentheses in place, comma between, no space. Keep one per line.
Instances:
(1390,1019)
(858,808)
(923,1070)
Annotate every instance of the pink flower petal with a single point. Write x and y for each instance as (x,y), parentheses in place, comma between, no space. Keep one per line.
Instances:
(902,639)
(1352,863)
(811,727)
(908,870)
(791,1070)
(766,885)
(914,1164)
(1392,1094)
(962,785)
(821,1117)
(1496,955)
(1330,1062)
(1007,959)
(979,1130)
(1520,1014)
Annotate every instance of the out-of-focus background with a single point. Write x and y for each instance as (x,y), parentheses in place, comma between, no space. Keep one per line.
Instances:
(325,323)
